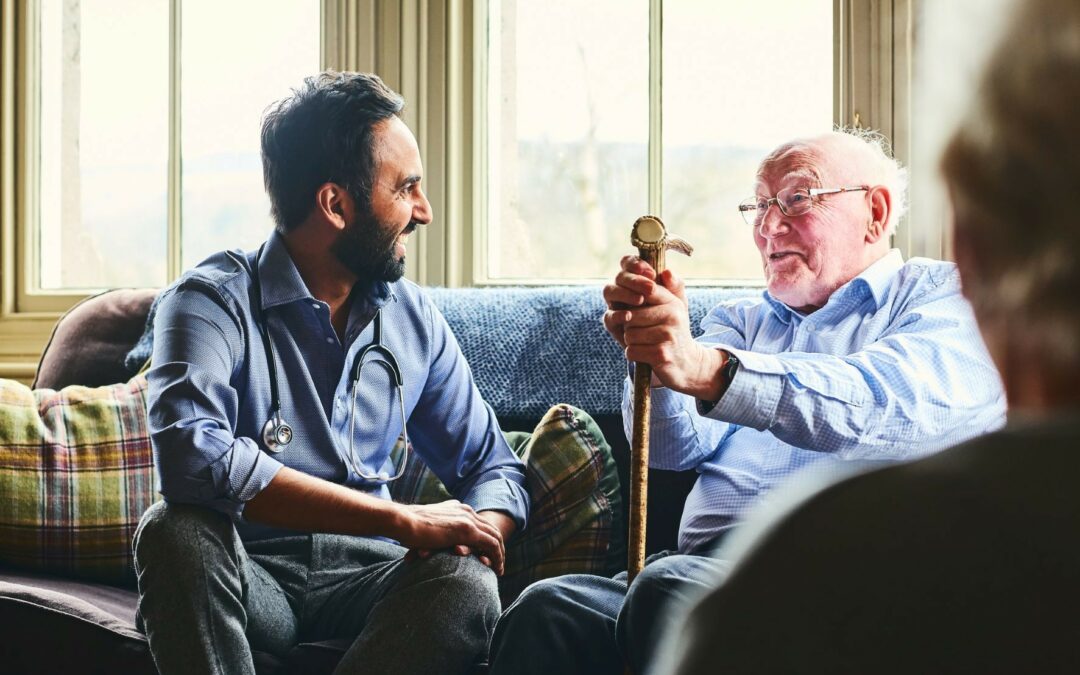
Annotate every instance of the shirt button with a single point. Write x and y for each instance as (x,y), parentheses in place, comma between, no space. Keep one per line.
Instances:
(329,340)
(810,327)
(315,306)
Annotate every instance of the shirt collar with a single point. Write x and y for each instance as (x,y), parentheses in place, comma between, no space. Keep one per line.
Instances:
(281,282)
(874,280)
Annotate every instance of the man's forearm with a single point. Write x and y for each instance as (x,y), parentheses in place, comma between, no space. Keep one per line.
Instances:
(297,501)
(500,520)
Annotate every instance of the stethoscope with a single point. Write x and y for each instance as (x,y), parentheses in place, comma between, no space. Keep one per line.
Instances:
(277,434)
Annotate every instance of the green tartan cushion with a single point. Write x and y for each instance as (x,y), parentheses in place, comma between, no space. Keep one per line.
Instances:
(76,474)
(575,519)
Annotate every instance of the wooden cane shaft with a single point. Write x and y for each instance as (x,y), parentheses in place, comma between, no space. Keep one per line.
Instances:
(639,469)
(639,449)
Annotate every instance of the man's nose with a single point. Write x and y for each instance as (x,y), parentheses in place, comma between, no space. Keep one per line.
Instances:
(772,223)
(422,210)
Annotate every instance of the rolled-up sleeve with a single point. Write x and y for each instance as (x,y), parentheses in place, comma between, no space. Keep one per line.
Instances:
(458,436)
(193,406)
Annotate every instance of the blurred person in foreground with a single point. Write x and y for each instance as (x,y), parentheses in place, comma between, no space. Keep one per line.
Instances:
(850,355)
(967,560)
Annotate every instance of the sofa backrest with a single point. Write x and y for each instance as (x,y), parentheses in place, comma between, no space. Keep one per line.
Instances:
(89,342)
(530,348)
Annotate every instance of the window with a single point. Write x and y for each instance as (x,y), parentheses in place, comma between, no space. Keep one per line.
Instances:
(160,110)
(597,115)
(144,132)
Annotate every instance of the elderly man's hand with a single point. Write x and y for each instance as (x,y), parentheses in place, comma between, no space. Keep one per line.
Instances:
(651,320)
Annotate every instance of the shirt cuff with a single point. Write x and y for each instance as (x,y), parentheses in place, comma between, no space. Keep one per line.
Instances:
(753,395)
(500,495)
(251,471)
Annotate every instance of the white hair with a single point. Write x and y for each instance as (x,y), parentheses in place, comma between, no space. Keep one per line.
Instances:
(893,175)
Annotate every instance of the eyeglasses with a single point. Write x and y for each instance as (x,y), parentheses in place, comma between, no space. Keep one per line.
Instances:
(792,202)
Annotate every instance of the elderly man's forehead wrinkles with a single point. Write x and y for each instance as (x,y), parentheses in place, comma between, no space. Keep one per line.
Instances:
(800,178)
(793,161)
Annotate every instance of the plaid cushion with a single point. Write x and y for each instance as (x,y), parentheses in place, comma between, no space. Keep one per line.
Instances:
(76,473)
(574,524)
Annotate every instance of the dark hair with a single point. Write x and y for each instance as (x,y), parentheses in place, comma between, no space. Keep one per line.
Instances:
(323,133)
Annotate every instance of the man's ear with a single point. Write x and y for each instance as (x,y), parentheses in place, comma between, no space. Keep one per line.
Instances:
(880,207)
(334,205)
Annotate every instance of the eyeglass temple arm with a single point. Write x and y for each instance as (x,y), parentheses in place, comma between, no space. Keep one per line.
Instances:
(814,192)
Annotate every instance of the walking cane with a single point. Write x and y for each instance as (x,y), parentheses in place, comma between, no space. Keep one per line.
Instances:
(651,239)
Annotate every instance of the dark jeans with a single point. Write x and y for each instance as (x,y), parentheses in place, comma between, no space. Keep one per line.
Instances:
(581,623)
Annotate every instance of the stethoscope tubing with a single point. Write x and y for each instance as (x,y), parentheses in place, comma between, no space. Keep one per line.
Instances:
(277,434)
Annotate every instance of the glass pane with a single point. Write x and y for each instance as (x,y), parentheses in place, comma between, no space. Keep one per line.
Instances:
(104,143)
(238,57)
(567,135)
(739,79)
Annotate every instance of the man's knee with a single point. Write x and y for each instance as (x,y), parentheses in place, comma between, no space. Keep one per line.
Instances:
(173,532)
(562,625)
(561,601)
(662,586)
(464,578)
(536,601)
(654,586)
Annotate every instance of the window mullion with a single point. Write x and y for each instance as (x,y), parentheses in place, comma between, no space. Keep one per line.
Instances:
(174,190)
(656,105)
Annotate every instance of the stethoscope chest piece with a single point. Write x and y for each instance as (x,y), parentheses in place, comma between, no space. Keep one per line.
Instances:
(276,434)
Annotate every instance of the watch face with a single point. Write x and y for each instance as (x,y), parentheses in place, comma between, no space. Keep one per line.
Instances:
(731,367)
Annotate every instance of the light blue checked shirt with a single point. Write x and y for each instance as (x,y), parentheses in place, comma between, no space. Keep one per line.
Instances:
(892,368)
(209,391)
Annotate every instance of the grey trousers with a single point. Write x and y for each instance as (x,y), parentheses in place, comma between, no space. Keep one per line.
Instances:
(206,599)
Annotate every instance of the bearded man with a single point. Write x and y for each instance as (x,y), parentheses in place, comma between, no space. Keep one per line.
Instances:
(281,382)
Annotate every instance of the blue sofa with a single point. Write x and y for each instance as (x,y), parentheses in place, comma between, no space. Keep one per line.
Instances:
(532,347)
(529,348)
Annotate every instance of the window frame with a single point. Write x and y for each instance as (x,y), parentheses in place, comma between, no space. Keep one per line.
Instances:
(871,87)
(431,52)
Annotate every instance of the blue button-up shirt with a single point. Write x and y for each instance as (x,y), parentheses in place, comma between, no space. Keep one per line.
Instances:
(209,391)
(892,368)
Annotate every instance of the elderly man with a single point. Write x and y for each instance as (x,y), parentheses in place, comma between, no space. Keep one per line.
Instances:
(966,561)
(852,354)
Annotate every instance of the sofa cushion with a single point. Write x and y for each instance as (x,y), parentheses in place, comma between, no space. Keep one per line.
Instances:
(96,624)
(90,341)
(76,474)
(55,625)
(575,519)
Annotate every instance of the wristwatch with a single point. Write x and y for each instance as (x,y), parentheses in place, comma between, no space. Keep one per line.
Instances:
(731,366)
(728,370)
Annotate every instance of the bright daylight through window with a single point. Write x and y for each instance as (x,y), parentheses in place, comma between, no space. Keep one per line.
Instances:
(103,120)
(568,126)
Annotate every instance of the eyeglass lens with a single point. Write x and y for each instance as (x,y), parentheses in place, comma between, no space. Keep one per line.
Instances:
(792,202)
